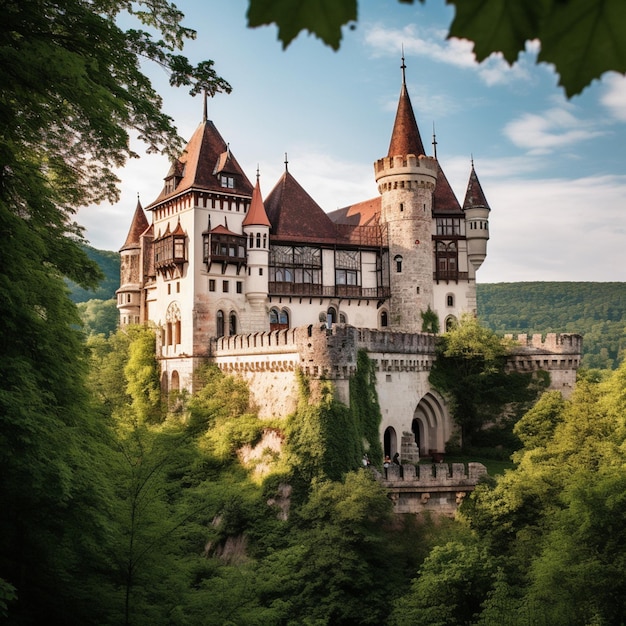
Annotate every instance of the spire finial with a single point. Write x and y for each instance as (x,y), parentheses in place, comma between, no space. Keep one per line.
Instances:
(286,162)
(205,109)
(472,160)
(434,142)
(258,175)
(403,67)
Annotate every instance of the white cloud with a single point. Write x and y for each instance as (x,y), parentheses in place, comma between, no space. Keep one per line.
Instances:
(555,128)
(432,44)
(614,96)
(557,229)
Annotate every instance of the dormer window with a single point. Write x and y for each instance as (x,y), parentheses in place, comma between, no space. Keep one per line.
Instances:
(227,182)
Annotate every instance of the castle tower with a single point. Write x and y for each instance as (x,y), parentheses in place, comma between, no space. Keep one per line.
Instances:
(406,181)
(256,228)
(476,211)
(129,295)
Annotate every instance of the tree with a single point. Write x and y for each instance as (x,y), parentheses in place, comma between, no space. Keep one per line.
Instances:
(71,92)
(470,372)
(581,38)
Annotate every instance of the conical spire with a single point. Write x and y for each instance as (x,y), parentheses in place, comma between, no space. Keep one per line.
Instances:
(405,138)
(137,227)
(256,214)
(474,196)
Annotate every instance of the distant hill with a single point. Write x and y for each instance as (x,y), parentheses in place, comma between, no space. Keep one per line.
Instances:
(109,263)
(595,310)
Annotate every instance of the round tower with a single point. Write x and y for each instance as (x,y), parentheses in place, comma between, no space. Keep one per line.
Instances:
(477,212)
(256,228)
(406,180)
(129,295)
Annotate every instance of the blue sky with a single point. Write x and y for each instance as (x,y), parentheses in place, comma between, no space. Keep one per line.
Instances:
(553,170)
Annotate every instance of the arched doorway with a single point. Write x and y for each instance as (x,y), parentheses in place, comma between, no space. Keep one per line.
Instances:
(430,425)
(390,442)
(175,382)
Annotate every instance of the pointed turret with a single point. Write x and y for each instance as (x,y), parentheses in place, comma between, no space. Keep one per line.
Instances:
(477,211)
(130,293)
(405,138)
(406,180)
(256,227)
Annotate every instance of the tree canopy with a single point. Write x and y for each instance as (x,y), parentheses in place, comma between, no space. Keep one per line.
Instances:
(581,38)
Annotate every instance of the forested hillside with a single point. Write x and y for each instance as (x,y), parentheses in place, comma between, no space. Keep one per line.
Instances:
(109,264)
(595,310)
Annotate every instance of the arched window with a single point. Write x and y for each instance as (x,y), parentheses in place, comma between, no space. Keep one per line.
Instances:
(450,299)
(450,322)
(384,319)
(331,315)
(175,383)
(232,323)
(279,319)
(342,318)
(398,260)
(220,324)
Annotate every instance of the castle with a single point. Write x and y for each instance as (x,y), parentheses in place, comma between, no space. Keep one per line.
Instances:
(266,287)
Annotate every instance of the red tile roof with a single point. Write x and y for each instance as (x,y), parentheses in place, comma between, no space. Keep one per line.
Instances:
(474,196)
(366,213)
(444,200)
(256,213)
(137,227)
(204,158)
(295,216)
(405,138)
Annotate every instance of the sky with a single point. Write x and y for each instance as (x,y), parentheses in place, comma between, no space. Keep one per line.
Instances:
(552,169)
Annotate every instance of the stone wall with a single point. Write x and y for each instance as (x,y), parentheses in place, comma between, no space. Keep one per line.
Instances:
(439,487)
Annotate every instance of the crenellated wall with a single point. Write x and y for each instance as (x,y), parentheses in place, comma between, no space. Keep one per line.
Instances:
(438,487)
(557,354)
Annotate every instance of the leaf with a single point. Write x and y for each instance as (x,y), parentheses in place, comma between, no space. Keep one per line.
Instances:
(584,39)
(497,25)
(322,18)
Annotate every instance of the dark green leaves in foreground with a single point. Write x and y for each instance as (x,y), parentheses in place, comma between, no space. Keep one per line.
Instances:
(322,18)
(581,38)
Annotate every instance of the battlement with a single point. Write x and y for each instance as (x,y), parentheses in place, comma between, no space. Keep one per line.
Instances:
(553,343)
(439,487)
(402,165)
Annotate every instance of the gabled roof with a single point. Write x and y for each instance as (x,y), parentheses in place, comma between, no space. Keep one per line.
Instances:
(222,230)
(474,196)
(256,215)
(366,213)
(203,159)
(295,216)
(405,137)
(444,200)
(137,227)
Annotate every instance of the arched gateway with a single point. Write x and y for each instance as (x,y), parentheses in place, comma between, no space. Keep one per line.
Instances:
(431,424)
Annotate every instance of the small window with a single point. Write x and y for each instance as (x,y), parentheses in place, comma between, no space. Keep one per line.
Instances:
(401,207)
(220,324)
(225,286)
(169,289)
(384,319)
(227,181)
(450,300)
(260,271)
(211,284)
(398,261)
(239,287)
(178,287)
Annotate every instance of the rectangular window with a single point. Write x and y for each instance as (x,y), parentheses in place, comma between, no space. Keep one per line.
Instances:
(239,287)
(211,284)
(225,286)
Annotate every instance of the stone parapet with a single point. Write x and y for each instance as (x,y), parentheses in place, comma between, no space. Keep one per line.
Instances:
(559,343)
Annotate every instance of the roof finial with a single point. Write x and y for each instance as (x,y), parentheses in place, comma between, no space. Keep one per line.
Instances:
(286,162)
(472,160)
(434,142)
(205,108)
(403,67)
(258,175)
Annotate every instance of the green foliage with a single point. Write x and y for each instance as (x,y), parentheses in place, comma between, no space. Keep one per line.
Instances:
(430,321)
(470,372)
(109,264)
(99,317)
(453,582)
(582,39)
(365,408)
(595,310)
